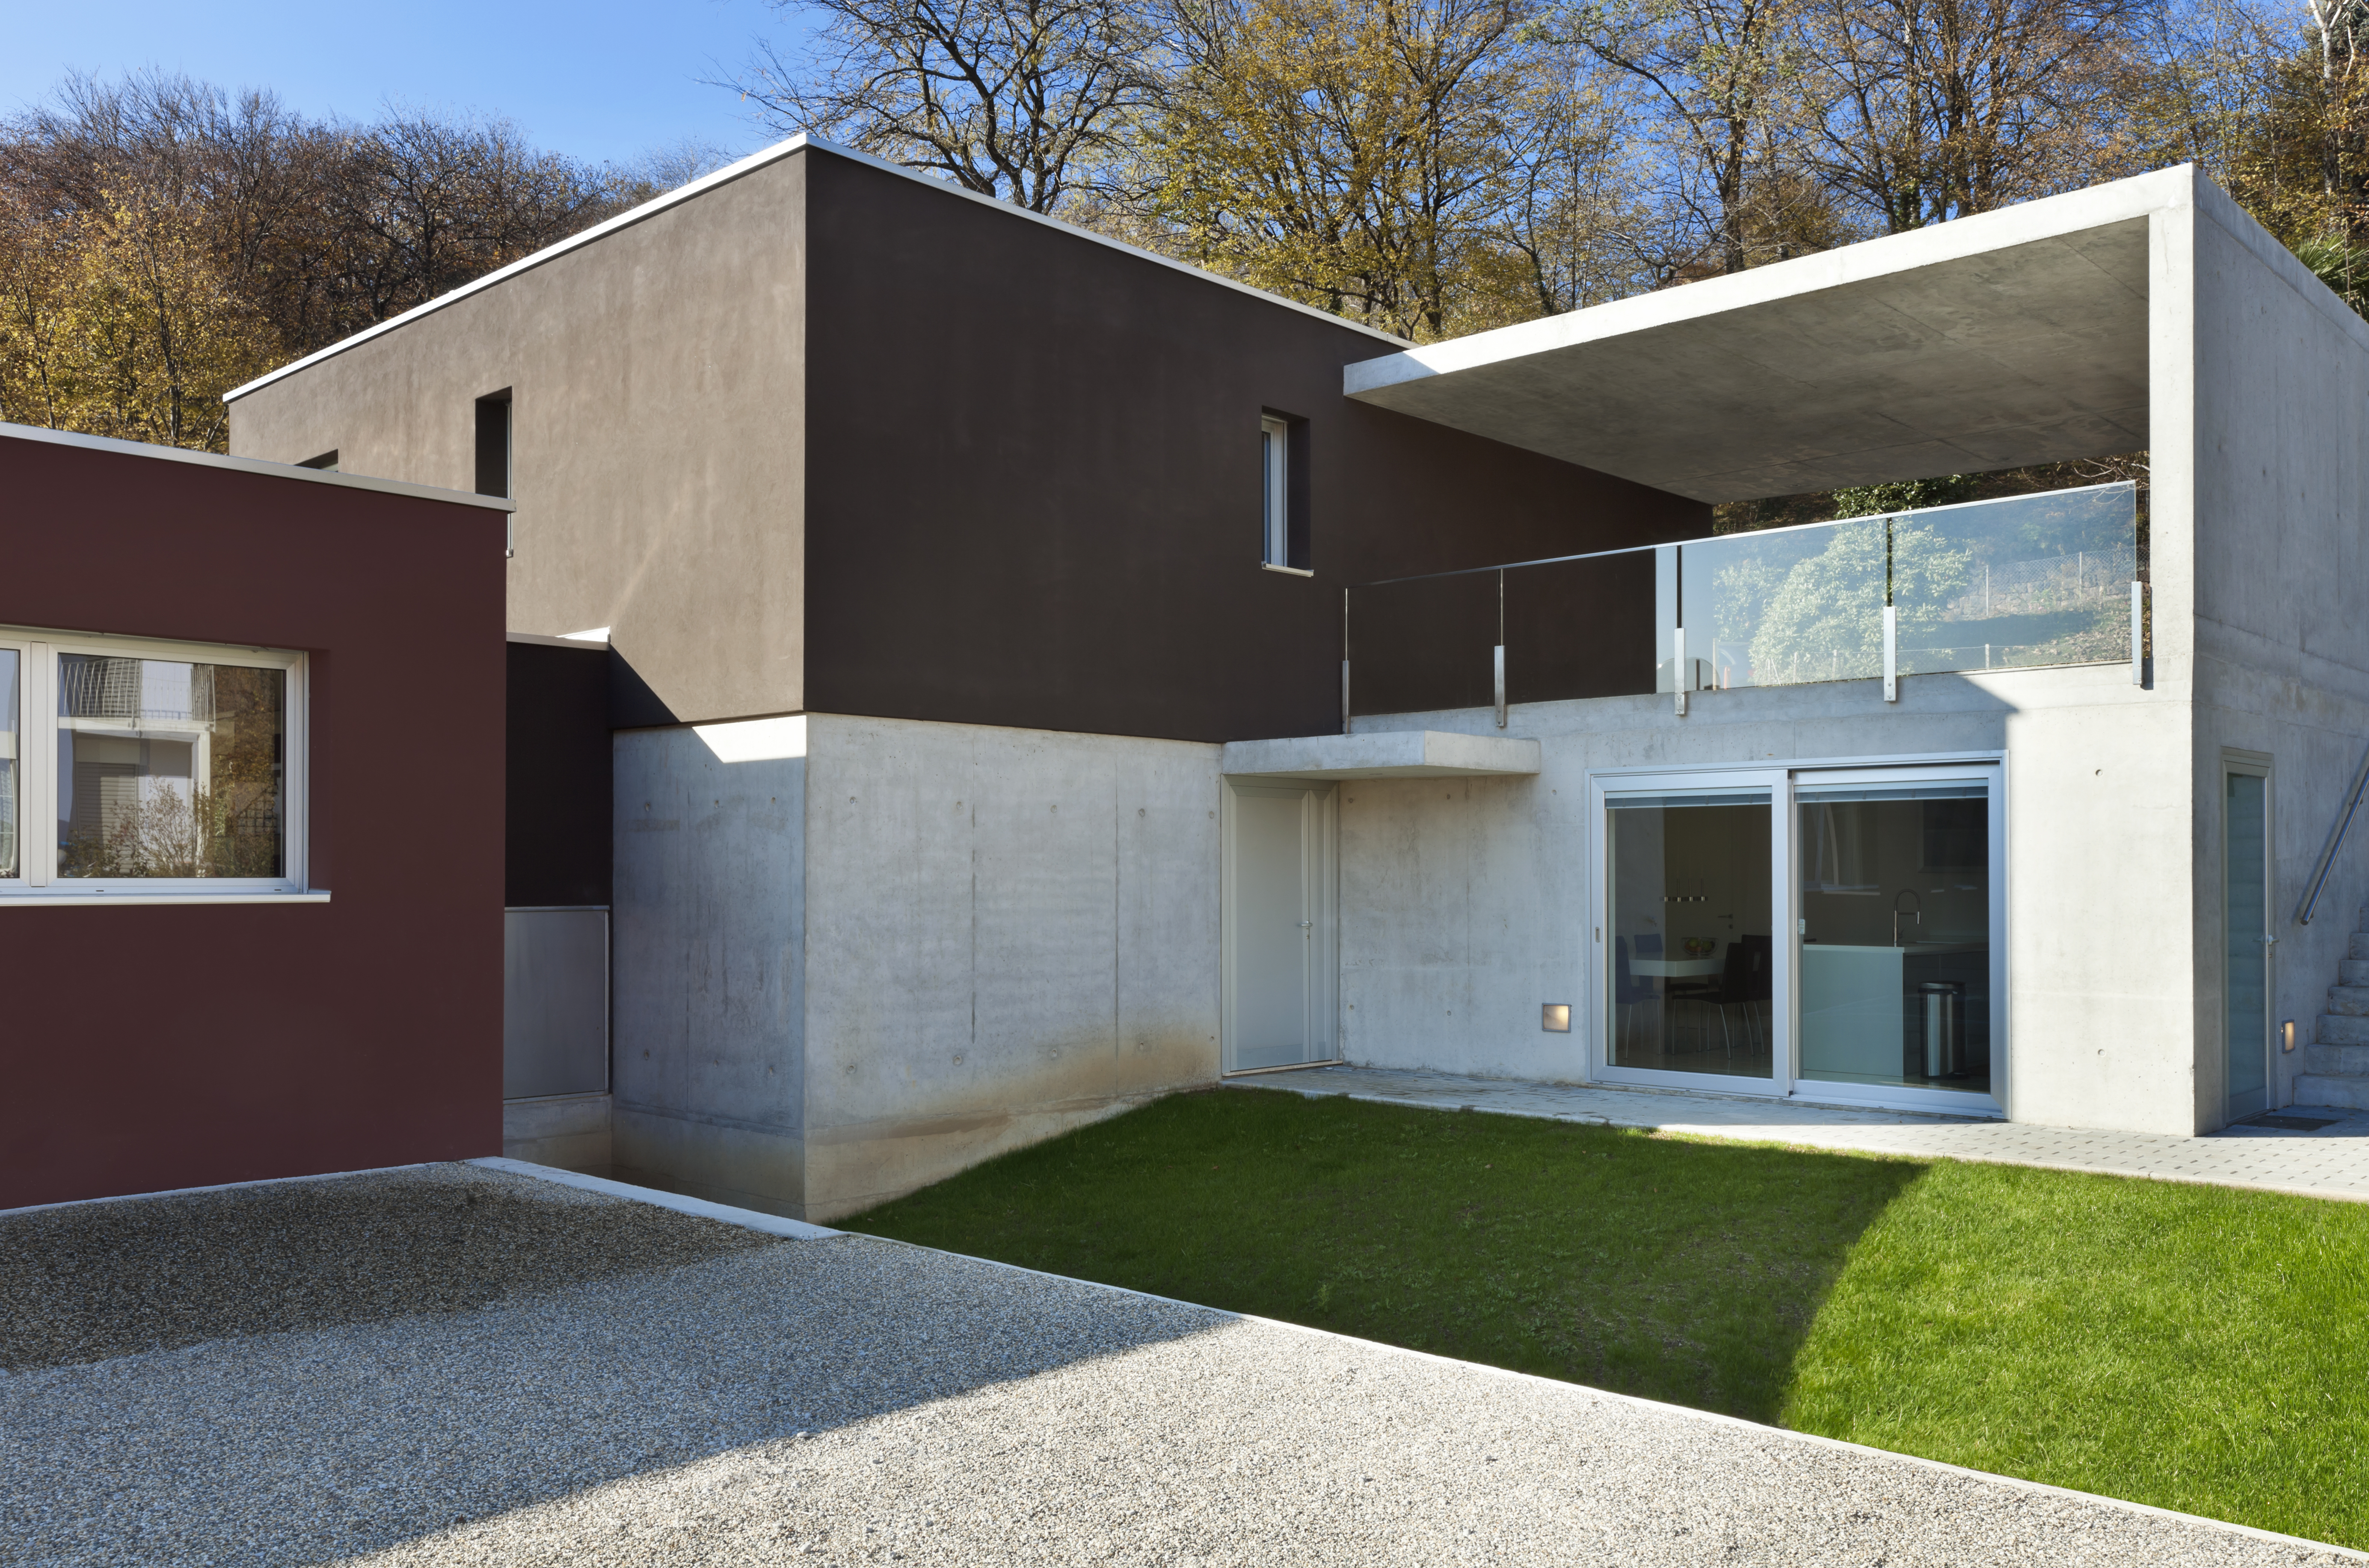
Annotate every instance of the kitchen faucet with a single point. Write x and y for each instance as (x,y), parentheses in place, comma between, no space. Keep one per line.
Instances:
(1896,912)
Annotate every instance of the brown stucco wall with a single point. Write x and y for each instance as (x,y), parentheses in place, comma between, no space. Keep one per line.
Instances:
(657,377)
(151,1047)
(1033,492)
(827,437)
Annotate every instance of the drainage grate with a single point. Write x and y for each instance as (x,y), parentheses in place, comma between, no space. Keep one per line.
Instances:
(2288,1123)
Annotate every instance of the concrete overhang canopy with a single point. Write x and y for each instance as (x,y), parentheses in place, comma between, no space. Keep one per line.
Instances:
(2012,337)
(1386,753)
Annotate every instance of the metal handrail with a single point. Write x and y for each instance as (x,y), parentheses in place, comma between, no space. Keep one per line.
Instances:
(2335,843)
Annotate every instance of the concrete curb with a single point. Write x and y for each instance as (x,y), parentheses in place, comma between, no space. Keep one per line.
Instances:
(747,1219)
(1770,1138)
(1781,1434)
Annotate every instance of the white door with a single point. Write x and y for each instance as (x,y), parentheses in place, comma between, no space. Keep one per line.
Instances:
(1280,966)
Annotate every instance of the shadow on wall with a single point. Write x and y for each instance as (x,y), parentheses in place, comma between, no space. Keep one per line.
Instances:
(364,1361)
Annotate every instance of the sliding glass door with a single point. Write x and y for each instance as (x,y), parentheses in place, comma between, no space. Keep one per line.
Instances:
(1828,934)
(1898,873)
(1693,878)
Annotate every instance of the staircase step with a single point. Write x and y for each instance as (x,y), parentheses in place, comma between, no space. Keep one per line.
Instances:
(2341,1060)
(2342,1028)
(2324,1089)
(2352,972)
(2349,999)
(2359,946)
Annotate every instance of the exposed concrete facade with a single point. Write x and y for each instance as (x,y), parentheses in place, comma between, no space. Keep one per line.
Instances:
(1466,902)
(906,947)
(1464,905)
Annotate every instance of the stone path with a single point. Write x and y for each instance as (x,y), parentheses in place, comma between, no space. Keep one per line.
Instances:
(2328,1162)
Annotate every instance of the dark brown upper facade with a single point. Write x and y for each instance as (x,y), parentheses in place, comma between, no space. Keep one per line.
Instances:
(831,437)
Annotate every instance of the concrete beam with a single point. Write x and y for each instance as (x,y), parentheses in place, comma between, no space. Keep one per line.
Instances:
(1391,754)
(2013,337)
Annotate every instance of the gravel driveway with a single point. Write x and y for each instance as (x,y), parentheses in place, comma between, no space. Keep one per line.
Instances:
(456,1366)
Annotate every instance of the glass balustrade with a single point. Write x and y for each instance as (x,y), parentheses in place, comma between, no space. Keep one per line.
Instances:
(2018,583)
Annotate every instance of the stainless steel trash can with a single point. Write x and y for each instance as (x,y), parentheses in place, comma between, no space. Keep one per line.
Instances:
(1945,1027)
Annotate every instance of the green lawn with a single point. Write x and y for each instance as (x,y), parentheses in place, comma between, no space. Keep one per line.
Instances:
(2194,1347)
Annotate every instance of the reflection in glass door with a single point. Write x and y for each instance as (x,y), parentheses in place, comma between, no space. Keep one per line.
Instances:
(1895,933)
(2246,936)
(1689,944)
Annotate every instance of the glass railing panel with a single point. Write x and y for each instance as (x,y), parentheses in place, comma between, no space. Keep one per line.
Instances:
(1783,608)
(1582,628)
(2029,580)
(1424,644)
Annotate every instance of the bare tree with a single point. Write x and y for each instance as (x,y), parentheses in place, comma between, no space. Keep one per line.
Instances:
(1932,109)
(1723,75)
(1017,99)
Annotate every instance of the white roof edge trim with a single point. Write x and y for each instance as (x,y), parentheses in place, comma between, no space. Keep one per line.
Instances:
(749,165)
(2048,217)
(255,465)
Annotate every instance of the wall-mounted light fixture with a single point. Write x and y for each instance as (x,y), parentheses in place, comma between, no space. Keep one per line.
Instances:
(1555,1018)
(2286,1035)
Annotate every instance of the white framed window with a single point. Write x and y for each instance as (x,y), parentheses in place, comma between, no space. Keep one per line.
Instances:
(1274,469)
(139,770)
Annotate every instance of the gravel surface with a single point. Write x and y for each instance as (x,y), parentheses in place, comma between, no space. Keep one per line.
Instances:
(100,1279)
(856,1401)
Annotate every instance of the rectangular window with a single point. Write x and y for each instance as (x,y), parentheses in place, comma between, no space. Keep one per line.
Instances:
(158,768)
(1283,483)
(493,443)
(1275,450)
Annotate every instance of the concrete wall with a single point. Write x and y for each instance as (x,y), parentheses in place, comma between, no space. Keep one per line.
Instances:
(855,956)
(1010,933)
(2279,632)
(657,378)
(1466,903)
(708,961)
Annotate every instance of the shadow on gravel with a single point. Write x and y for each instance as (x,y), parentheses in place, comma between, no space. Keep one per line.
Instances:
(85,1283)
(612,1340)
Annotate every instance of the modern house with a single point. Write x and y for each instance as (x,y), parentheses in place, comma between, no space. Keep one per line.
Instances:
(247,889)
(1040,675)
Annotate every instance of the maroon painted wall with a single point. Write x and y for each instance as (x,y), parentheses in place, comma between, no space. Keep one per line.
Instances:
(151,1047)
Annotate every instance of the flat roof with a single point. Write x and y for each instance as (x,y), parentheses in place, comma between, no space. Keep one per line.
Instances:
(255,465)
(2011,337)
(749,165)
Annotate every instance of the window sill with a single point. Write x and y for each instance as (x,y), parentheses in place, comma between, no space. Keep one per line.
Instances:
(1287,571)
(43,896)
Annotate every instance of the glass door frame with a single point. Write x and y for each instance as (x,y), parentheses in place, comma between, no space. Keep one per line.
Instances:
(1992,772)
(1664,781)
(1785,849)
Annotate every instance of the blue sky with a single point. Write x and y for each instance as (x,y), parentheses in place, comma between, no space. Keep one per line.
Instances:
(600,80)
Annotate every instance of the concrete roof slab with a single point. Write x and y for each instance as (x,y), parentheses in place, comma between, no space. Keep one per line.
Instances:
(2015,337)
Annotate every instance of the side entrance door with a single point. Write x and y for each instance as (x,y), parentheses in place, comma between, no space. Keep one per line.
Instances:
(2246,933)
(1281,963)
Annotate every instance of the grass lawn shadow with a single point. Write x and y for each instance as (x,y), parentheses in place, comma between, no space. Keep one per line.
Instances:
(1684,1271)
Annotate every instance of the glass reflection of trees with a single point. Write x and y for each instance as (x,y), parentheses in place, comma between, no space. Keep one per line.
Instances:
(173,770)
(2039,580)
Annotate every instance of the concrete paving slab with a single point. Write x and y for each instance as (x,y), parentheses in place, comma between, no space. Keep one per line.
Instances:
(2325,1161)
(851,1400)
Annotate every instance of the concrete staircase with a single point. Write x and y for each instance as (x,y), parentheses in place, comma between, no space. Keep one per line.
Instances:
(2336,1066)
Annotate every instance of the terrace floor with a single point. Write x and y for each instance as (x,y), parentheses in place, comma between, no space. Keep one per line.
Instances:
(2332,1161)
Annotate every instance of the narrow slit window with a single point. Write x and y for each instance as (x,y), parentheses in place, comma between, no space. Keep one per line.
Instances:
(493,443)
(1283,474)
